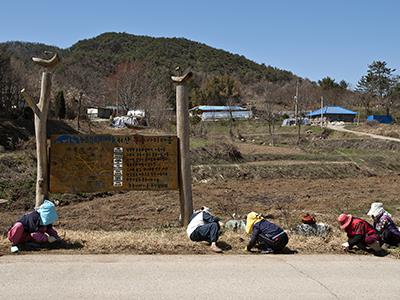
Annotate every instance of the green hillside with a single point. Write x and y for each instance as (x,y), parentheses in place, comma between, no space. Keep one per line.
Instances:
(167,53)
(100,56)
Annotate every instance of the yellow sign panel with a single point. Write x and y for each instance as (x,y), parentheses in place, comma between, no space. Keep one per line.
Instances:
(97,163)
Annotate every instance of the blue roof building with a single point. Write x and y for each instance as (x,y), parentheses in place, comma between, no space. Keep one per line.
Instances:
(380,119)
(333,113)
(211,108)
(214,113)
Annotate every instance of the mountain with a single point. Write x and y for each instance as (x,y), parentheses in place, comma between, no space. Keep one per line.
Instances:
(167,53)
(101,55)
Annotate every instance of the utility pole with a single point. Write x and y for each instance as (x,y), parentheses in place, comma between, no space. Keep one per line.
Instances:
(296,111)
(41,110)
(322,112)
(183,132)
(296,103)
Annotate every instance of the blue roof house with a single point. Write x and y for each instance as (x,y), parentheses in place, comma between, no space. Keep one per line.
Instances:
(333,113)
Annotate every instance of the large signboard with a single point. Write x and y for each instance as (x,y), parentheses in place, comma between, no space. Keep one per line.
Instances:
(96,163)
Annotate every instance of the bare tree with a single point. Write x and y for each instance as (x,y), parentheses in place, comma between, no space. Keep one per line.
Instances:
(80,86)
(131,85)
(268,95)
(10,99)
(365,100)
(155,109)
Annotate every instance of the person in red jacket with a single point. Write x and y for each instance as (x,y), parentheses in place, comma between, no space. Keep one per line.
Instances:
(360,233)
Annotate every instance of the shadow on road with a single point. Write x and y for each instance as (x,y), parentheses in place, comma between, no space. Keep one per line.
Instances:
(224,246)
(287,250)
(30,246)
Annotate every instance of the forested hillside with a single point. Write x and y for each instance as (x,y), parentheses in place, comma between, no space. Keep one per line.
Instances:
(167,53)
(134,71)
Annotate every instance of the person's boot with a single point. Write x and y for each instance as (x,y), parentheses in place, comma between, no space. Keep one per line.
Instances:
(215,248)
(14,249)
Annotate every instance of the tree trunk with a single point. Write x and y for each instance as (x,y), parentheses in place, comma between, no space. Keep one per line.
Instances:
(270,131)
(79,109)
(42,183)
(273,132)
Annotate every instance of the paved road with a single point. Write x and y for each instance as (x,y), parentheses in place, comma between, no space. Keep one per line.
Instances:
(199,277)
(359,133)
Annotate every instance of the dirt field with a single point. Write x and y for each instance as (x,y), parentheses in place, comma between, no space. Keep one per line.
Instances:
(147,222)
(284,182)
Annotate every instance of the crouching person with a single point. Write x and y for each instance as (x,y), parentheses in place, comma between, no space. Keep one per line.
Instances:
(384,225)
(360,233)
(267,236)
(35,226)
(204,226)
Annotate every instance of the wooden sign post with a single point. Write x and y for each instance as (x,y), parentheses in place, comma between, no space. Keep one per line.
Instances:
(41,110)
(183,131)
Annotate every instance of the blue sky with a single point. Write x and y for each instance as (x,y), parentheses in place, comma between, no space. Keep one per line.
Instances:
(311,38)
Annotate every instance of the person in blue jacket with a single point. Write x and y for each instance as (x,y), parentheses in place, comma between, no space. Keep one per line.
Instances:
(267,236)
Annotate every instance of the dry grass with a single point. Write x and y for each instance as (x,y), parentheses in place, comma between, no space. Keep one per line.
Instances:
(175,241)
(380,129)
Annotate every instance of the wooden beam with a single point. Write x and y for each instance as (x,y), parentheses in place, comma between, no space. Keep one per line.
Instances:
(47,63)
(31,103)
(183,132)
(42,183)
(182,79)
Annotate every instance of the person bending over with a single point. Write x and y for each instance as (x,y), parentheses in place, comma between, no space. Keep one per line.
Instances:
(204,226)
(360,233)
(267,236)
(384,225)
(35,226)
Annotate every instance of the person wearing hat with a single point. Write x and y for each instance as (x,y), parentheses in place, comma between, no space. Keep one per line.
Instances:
(360,233)
(384,224)
(204,226)
(264,234)
(35,226)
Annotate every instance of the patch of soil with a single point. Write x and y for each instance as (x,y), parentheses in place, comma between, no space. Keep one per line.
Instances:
(214,153)
(276,169)
(360,144)
(253,149)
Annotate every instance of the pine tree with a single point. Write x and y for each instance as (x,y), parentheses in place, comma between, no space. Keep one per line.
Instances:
(378,82)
